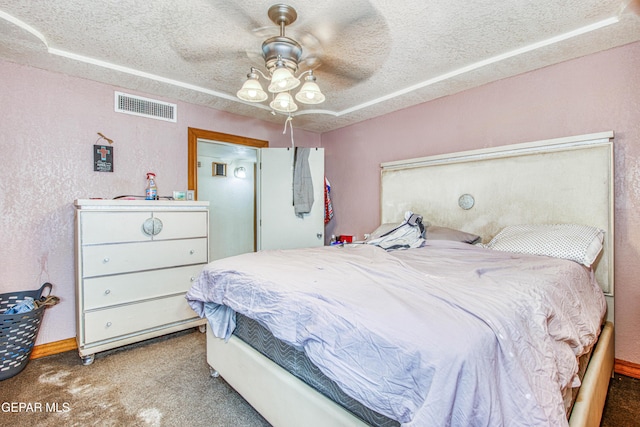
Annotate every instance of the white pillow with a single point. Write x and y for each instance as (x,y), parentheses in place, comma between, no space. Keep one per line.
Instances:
(579,243)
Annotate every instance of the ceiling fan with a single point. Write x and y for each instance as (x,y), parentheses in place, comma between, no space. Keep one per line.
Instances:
(282,57)
(343,49)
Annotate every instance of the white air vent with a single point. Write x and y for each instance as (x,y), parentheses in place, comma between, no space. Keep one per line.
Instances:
(145,107)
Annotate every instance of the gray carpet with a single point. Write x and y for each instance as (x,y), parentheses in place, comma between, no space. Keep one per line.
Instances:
(166,382)
(162,382)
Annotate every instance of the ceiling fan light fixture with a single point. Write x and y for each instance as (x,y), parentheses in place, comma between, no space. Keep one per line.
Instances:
(282,56)
(284,103)
(283,80)
(310,91)
(251,90)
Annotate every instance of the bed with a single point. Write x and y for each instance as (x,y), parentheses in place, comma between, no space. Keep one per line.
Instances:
(431,343)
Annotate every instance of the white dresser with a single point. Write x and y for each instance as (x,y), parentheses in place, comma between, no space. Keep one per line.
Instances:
(135,259)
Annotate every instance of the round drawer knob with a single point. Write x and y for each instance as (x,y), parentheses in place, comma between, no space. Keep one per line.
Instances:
(105,260)
(193,279)
(191,252)
(107,292)
(152,226)
(108,324)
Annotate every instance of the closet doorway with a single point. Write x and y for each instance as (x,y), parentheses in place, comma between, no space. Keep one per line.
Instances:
(222,171)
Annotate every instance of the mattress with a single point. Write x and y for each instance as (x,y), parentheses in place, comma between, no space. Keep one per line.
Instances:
(298,364)
(485,313)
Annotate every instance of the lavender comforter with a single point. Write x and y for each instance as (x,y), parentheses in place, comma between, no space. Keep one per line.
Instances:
(446,334)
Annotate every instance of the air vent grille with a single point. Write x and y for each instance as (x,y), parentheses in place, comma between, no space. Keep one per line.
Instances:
(145,107)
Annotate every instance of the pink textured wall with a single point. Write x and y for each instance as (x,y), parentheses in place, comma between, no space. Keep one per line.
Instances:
(591,94)
(49,123)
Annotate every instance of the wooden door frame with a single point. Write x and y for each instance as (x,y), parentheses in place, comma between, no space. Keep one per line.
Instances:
(194,134)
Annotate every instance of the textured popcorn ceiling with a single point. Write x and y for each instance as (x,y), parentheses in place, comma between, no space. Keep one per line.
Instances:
(371,57)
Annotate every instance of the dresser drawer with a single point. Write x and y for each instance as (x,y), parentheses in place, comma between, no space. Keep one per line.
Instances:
(127,319)
(122,288)
(182,225)
(102,260)
(107,227)
(118,227)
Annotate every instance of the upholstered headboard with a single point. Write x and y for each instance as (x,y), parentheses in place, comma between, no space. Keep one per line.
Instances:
(564,180)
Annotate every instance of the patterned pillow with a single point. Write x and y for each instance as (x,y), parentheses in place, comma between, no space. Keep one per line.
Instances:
(579,243)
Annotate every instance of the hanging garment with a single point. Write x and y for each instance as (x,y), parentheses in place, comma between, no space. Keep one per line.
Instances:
(328,208)
(302,183)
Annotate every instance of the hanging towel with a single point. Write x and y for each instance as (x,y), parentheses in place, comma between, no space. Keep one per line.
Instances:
(328,207)
(302,183)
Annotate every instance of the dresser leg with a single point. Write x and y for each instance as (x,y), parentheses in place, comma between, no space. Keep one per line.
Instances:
(88,360)
(213,373)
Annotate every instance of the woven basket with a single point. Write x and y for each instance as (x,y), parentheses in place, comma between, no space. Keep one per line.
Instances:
(18,332)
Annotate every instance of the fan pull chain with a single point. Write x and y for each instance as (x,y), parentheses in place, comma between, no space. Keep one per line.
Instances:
(289,121)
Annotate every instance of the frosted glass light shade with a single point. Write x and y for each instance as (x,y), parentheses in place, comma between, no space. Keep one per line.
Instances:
(284,103)
(252,91)
(282,80)
(310,94)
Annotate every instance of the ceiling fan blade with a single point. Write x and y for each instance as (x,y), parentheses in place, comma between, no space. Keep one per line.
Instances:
(215,29)
(336,48)
(342,73)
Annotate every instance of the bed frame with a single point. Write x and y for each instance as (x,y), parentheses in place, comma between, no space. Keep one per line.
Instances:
(566,180)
